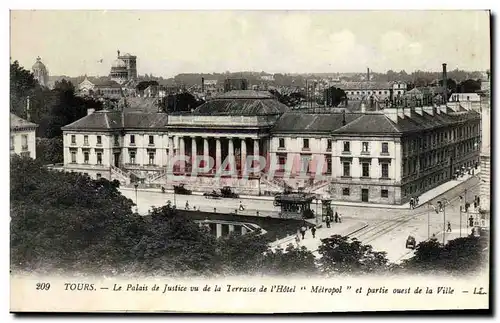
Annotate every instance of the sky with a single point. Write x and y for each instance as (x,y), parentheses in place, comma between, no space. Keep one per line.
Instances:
(167,43)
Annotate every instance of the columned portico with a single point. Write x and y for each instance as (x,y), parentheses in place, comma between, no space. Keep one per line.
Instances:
(194,152)
(205,151)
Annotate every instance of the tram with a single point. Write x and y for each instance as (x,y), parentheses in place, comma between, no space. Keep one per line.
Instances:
(295,205)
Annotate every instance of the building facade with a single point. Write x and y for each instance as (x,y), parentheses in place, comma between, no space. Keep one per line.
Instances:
(376,157)
(22,137)
(124,68)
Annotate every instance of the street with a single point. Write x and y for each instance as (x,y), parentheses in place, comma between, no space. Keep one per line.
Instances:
(387,229)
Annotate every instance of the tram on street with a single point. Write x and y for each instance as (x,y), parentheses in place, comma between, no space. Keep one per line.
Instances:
(295,205)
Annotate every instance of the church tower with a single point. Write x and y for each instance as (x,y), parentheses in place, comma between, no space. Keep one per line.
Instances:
(40,72)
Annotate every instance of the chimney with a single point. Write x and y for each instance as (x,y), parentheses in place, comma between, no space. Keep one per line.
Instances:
(90,111)
(368,74)
(392,114)
(28,116)
(429,110)
(445,83)
(343,118)
(202,85)
(118,51)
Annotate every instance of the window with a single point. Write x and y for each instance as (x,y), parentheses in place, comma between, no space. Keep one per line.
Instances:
(384,193)
(99,140)
(132,157)
(281,143)
(306,143)
(151,155)
(345,191)
(385,170)
(73,157)
(366,169)
(24,142)
(12,142)
(117,140)
(86,140)
(99,158)
(347,146)
(385,148)
(132,139)
(347,169)
(86,157)
(328,160)
(364,147)
(73,139)
(151,140)
(329,144)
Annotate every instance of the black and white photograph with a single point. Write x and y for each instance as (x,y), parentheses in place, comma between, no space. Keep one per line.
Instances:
(249,161)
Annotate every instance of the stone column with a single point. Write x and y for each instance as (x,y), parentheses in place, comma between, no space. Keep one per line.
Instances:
(230,153)
(218,230)
(243,155)
(194,152)
(217,154)
(170,153)
(205,152)
(256,152)
(231,228)
(182,153)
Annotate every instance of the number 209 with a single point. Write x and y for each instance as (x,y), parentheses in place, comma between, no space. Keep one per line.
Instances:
(42,286)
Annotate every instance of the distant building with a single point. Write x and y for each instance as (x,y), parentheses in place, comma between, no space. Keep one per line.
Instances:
(86,87)
(107,89)
(384,90)
(124,68)
(22,137)
(235,84)
(40,72)
(268,78)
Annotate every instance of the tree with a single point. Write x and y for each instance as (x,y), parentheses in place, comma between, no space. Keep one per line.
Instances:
(334,96)
(50,150)
(22,85)
(339,255)
(469,86)
(457,256)
(291,261)
(67,221)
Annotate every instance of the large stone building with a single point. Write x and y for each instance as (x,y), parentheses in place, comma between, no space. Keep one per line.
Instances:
(22,137)
(40,72)
(380,157)
(485,185)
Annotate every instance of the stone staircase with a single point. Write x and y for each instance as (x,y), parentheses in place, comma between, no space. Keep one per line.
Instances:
(121,175)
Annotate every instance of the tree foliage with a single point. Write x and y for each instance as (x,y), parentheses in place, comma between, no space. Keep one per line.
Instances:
(50,150)
(334,96)
(457,256)
(51,109)
(340,255)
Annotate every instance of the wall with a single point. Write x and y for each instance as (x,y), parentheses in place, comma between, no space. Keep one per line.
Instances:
(17,136)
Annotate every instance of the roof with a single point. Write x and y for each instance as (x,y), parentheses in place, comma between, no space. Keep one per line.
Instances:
(242,103)
(116,120)
(297,122)
(106,83)
(20,123)
(370,123)
(364,85)
(38,65)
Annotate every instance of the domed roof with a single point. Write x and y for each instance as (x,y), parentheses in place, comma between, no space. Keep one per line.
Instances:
(38,64)
(118,63)
(127,55)
(242,103)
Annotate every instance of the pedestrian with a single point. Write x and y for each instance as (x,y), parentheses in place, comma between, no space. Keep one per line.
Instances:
(242,208)
(303,232)
(449,227)
(336,217)
(313,231)
(340,218)
(187,205)
(471,221)
(297,239)
(475,205)
(411,203)
(467,206)
(416,200)
(327,221)
(215,210)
